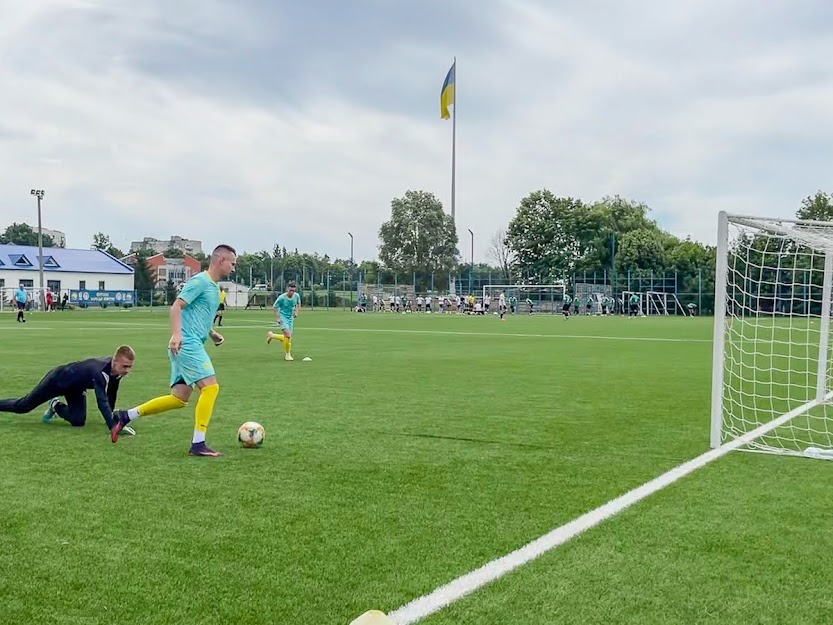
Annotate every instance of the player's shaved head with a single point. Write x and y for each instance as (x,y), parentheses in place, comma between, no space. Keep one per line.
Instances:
(223,262)
(222,250)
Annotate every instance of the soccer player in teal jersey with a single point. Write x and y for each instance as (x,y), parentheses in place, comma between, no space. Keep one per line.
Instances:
(565,306)
(192,318)
(286,309)
(634,305)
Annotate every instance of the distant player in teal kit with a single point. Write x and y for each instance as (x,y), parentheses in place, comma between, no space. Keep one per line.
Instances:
(286,309)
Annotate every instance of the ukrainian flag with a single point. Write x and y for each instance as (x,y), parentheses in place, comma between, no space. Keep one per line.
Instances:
(447,94)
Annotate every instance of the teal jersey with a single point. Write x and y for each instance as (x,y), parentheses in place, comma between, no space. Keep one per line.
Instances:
(589,300)
(634,299)
(286,305)
(202,295)
(567,299)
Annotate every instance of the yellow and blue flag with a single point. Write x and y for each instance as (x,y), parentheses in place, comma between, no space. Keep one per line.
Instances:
(447,93)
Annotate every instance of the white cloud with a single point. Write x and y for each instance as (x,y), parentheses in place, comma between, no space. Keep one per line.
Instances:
(690,106)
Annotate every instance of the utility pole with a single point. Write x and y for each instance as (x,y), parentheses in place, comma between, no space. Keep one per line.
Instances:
(39,193)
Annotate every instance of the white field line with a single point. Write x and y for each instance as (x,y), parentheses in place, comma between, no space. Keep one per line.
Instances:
(457,589)
(116,325)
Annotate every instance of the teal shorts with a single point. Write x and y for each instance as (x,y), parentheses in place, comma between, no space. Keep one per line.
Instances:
(287,323)
(191,364)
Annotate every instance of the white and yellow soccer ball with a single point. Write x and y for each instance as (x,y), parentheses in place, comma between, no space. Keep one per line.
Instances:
(251,434)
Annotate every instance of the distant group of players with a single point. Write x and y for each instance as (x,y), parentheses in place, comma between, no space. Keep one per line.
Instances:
(473,305)
(469,304)
(198,306)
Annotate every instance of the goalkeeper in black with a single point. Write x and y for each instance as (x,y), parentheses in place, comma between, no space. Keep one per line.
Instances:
(71,381)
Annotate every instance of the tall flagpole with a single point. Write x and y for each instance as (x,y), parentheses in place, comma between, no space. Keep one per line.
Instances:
(454,148)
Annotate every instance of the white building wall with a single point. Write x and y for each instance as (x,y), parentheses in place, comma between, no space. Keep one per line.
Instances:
(69,280)
(189,246)
(237,295)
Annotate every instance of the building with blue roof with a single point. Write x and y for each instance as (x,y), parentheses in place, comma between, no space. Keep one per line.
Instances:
(64,270)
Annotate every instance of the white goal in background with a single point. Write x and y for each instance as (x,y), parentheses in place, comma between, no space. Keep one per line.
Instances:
(660,303)
(626,302)
(545,297)
(772,350)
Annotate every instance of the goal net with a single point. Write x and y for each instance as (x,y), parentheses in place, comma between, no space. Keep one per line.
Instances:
(772,351)
(546,298)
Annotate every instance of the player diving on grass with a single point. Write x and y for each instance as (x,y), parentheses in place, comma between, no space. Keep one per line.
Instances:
(71,381)
(192,315)
(286,309)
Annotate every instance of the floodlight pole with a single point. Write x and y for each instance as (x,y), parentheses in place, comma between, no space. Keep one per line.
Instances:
(39,193)
(350,234)
(471,272)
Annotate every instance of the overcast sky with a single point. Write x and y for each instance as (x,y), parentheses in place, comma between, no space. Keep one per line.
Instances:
(261,121)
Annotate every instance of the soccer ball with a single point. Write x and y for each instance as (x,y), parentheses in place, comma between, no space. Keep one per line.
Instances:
(251,434)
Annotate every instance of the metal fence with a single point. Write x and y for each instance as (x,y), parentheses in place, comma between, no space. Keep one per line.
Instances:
(342,290)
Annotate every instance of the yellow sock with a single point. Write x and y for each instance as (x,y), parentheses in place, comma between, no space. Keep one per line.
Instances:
(205,408)
(160,404)
(287,344)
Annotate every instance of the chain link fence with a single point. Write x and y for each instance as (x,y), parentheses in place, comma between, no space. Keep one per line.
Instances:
(344,290)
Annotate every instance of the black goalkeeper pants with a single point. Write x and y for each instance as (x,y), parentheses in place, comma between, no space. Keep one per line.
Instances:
(74,410)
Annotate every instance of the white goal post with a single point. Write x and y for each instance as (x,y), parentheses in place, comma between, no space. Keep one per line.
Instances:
(626,302)
(772,351)
(661,303)
(545,297)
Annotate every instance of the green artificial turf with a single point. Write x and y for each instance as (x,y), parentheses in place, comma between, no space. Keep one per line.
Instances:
(411,450)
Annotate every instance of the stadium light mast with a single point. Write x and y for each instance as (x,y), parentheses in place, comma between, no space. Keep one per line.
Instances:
(471,272)
(39,193)
(350,234)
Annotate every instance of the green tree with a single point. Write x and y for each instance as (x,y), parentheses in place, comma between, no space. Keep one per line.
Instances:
(604,224)
(694,264)
(419,237)
(170,292)
(142,280)
(818,207)
(173,252)
(204,260)
(23,234)
(102,242)
(249,265)
(644,249)
(543,235)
